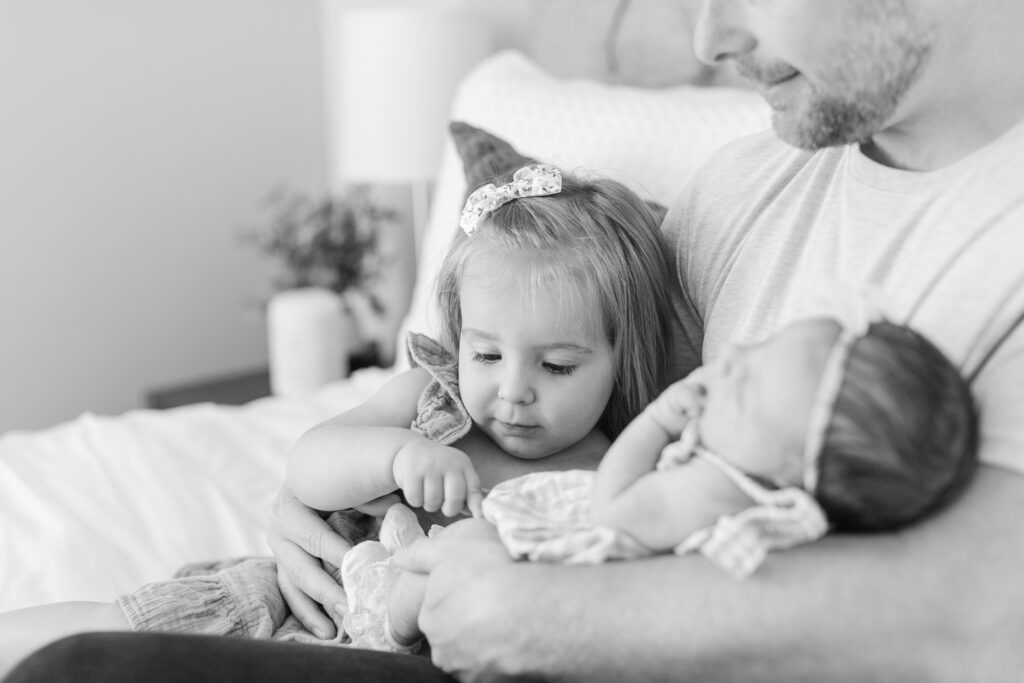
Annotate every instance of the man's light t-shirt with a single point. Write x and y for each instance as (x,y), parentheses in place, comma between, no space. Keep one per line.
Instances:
(765,231)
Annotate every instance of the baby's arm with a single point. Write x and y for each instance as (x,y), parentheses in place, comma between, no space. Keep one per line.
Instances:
(370,451)
(661,508)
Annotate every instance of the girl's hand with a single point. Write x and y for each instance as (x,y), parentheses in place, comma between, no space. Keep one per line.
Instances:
(437,477)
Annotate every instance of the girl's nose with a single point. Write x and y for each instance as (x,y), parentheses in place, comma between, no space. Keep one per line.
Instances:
(515,387)
(721,32)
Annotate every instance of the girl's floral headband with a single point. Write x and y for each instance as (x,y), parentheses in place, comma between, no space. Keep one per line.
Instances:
(535,180)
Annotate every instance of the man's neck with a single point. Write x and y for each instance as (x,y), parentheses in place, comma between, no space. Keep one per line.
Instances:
(932,145)
(971,93)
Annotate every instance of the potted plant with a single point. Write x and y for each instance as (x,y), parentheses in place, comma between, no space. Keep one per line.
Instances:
(329,253)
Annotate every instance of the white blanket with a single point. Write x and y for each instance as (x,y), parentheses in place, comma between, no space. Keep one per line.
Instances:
(99,505)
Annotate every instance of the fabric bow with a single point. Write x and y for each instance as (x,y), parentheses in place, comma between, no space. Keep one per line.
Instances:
(535,180)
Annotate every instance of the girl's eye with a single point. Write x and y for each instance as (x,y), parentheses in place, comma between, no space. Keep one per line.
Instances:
(486,357)
(556,369)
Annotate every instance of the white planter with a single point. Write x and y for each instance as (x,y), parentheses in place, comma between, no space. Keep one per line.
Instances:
(309,338)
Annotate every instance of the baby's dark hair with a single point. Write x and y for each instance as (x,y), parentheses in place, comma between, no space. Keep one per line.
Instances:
(903,437)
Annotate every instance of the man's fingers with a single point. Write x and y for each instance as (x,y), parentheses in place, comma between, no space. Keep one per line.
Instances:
(304,527)
(305,573)
(305,609)
(462,538)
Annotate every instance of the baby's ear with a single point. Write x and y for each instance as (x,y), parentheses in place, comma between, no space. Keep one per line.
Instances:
(485,156)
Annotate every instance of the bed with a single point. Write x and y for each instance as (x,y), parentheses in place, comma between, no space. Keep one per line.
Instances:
(98,505)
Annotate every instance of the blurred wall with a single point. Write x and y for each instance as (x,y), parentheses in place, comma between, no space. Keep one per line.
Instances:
(137,137)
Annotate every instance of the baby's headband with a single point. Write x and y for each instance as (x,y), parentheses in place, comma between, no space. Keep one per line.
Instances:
(855,313)
(535,180)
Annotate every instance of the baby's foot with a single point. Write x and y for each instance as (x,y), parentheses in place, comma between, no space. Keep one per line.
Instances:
(369,575)
(400,527)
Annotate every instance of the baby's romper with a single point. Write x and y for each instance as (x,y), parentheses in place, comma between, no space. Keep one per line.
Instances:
(545,516)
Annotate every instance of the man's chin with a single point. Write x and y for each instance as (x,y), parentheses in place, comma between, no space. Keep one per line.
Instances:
(829,123)
(817,134)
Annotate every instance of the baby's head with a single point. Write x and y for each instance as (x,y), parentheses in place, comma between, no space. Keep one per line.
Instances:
(903,436)
(541,293)
(880,427)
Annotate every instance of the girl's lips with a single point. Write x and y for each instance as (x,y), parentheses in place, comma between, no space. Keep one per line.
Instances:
(513,429)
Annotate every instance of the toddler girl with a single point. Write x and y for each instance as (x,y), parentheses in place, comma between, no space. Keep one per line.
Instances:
(555,328)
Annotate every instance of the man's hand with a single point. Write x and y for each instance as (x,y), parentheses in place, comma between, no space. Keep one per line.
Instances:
(437,477)
(300,539)
(469,610)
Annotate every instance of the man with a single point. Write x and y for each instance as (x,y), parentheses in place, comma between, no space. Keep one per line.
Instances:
(902,167)
(904,170)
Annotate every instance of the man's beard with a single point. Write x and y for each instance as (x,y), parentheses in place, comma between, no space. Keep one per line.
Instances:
(858,90)
(847,117)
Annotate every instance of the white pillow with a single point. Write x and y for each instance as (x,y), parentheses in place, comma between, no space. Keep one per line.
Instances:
(652,140)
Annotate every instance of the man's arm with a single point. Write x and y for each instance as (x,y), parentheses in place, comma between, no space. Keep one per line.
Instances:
(938,602)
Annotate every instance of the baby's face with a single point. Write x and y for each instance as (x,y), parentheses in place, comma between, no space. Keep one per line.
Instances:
(758,399)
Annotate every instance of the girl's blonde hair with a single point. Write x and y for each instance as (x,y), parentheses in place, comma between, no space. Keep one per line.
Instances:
(594,236)
(903,437)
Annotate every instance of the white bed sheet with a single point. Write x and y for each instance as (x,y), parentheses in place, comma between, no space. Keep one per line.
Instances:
(99,505)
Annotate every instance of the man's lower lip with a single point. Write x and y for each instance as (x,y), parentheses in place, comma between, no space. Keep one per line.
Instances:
(777,92)
(781,81)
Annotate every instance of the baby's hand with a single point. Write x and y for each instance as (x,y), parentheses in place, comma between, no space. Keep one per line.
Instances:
(437,477)
(680,403)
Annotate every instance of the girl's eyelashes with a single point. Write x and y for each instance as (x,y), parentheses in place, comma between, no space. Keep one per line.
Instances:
(556,369)
(553,368)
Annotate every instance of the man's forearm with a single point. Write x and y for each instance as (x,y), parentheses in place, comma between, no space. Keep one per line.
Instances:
(938,602)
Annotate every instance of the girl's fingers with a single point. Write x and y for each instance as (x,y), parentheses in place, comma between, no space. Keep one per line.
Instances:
(474,501)
(454,494)
(474,493)
(433,493)
(413,494)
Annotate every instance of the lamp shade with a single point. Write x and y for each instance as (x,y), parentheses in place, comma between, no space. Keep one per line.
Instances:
(393,69)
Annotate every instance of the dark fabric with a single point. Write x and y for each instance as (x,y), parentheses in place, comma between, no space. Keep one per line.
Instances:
(175,658)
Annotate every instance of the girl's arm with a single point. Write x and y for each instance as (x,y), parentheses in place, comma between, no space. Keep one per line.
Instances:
(661,508)
(350,459)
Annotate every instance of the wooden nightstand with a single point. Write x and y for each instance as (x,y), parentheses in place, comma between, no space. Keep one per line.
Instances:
(235,389)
